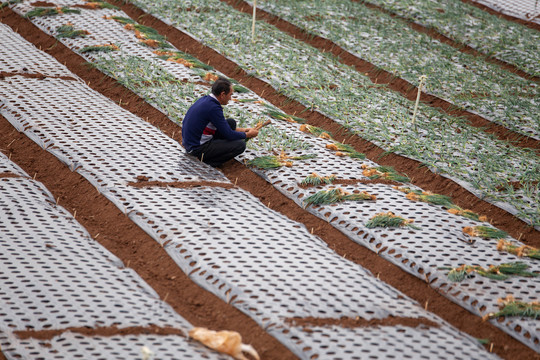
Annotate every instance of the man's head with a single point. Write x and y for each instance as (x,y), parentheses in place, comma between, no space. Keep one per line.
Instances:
(222,90)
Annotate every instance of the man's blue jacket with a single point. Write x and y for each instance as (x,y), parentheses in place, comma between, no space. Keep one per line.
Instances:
(203,119)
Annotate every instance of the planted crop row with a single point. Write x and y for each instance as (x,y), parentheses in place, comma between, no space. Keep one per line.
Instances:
(389,43)
(492,35)
(495,170)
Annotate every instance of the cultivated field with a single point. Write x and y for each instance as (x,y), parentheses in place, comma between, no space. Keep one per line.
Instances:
(357,225)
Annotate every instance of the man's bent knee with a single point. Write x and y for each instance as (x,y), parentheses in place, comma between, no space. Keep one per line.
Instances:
(239,147)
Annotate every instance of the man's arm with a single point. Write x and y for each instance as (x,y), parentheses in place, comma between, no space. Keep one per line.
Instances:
(217,118)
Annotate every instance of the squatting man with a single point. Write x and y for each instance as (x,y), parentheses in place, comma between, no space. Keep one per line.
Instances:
(207,135)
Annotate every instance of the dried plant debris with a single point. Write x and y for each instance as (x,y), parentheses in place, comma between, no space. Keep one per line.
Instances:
(345,150)
(443,200)
(383,172)
(496,272)
(68,31)
(389,219)
(485,232)
(512,307)
(316,131)
(254,101)
(456,210)
(518,250)
(315,180)
(227,342)
(184,59)
(277,161)
(93,5)
(335,195)
(146,35)
(41,11)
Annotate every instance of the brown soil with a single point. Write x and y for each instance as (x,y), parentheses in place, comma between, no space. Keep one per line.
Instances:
(43,4)
(8,175)
(380,76)
(359,322)
(179,184)
(100,331)
(109,226)
(4,74)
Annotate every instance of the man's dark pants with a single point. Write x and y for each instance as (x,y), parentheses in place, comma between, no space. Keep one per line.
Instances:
(219,150)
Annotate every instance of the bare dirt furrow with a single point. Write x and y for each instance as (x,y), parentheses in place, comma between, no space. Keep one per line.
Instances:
(9,175)
(100,331)
(380,76)
(359,322)
(129,243)
(530,24)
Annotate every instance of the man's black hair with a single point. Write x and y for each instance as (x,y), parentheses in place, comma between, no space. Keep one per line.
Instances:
(221,85)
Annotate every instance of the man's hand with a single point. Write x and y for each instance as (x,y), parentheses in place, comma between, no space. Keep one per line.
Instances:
(251,133)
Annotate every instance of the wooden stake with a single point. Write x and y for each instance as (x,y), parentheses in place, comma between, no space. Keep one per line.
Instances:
(253,22)
(422,80)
